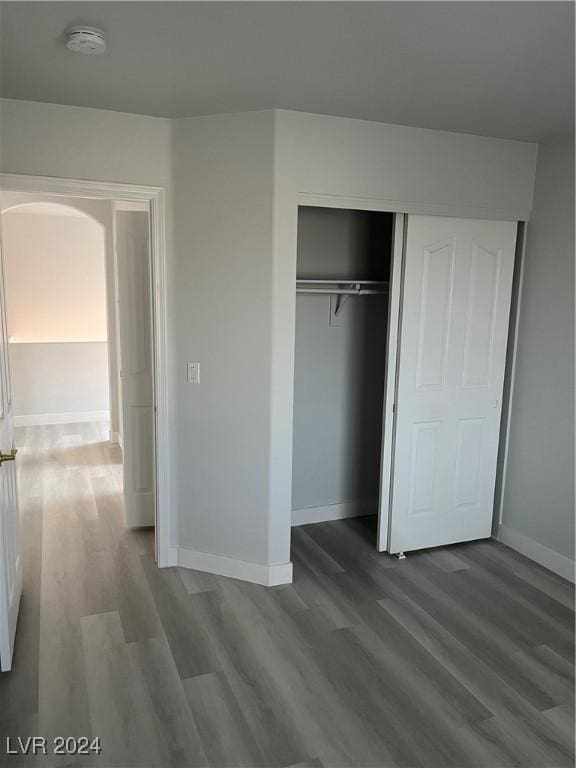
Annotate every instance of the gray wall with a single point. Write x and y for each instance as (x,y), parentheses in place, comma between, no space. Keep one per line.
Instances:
(339,370)
(539,491)
(223,174)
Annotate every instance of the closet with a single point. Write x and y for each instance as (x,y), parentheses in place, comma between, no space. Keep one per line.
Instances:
(401,337)
(343,272)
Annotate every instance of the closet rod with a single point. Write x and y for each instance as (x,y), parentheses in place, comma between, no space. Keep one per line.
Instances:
(343,287)
(345,291)
(316,281)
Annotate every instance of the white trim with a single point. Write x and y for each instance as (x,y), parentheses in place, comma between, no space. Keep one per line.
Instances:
(71,417)
(256,573)
(111,326)
(155,196)
(132,206)
(160,324)
(409,206)
(53,185)
(322,514)
(15,342)
(116,438)
(554,561)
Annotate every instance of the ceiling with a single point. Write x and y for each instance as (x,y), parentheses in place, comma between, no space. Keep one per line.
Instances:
(501,69)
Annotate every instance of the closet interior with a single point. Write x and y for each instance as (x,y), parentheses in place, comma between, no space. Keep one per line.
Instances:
(343,271)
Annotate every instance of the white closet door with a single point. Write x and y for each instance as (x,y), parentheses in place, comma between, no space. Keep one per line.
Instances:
(10,554)
(136,365)
(454,329)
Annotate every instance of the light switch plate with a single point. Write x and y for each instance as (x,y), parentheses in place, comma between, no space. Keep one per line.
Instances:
(193,373)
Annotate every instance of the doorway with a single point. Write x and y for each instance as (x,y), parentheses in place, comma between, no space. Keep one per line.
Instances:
(144,291)
(130,202)
(79,320)
(347,276)
(55,253)
(343,272)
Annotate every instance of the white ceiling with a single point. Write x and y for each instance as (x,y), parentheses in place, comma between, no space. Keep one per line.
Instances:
(494,68)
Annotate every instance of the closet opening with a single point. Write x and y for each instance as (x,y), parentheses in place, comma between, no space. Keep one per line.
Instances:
(344,260)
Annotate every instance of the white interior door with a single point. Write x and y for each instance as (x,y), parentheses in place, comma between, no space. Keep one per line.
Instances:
(453,337)
(136,365)
(10,556)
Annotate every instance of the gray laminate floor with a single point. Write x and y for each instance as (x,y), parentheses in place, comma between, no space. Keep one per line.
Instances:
(454,657)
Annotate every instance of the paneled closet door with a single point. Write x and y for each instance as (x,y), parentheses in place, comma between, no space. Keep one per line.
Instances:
(453,337)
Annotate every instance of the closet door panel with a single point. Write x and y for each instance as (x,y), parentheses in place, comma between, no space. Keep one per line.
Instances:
(453,336)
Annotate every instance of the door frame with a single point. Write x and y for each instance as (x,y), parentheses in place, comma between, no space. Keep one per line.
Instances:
(155,197)
(394,313)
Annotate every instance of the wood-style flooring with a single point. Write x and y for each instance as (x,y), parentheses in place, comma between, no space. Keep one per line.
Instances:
(454,657)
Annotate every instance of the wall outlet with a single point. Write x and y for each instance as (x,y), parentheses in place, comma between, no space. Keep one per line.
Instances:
(193,373)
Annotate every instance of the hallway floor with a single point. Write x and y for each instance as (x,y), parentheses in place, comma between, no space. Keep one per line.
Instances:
(455,657)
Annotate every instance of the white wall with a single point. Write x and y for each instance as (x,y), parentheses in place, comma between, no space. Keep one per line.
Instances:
(59,382)
(55,269)
(55,264)
(538,504)
(79,143)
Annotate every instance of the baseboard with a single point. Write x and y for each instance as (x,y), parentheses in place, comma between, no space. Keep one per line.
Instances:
(116,438)
(74,417)
(560,564)
(169,558)
(267,575)
(334,512)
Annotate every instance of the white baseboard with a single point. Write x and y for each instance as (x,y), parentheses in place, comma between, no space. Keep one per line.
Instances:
(170,558)
(116,438)
(256,573)
(334,512)
(554,561)
(75,417)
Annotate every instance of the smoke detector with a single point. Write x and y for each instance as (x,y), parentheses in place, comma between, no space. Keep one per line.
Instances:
(86,40)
